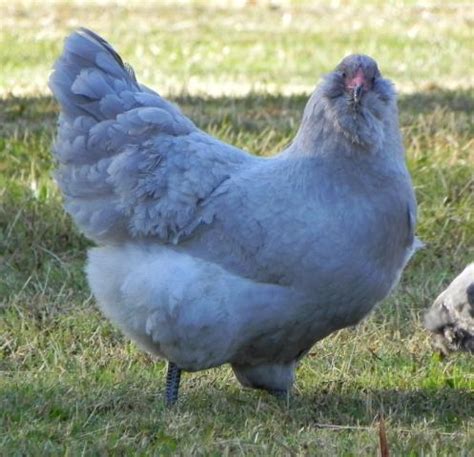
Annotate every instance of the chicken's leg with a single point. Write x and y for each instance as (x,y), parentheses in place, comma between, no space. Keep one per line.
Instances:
(173,376)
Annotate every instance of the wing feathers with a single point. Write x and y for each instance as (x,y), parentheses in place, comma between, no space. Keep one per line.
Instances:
(130,164)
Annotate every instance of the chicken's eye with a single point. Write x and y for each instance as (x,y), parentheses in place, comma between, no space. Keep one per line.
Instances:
(343,74)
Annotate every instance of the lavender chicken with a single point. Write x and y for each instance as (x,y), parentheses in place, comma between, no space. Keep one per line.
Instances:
(209,255)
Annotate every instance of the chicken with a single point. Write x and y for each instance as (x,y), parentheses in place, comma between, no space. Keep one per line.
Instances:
(209,255)
(451,317)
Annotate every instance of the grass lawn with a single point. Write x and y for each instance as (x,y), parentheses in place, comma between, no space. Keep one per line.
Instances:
(70,384)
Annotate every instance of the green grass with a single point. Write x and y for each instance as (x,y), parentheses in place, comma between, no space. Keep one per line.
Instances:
(71,384)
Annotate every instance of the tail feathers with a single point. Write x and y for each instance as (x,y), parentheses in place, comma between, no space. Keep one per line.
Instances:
(102,104)
(104,112)
(111,61)
(129,163)
(88,72)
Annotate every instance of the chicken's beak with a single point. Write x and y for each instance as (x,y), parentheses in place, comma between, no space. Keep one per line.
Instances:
(357,92)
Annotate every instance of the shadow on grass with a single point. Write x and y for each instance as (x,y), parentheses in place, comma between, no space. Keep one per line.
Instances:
(247,111)
(446,407)
(19,116)
(461,101)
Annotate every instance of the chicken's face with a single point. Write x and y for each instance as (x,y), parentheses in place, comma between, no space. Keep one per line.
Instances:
(358,75)
(359,99)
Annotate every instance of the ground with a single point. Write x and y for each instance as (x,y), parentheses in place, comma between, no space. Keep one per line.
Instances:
(73,385)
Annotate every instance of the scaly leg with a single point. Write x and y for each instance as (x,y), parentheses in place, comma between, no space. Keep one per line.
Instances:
(173,376)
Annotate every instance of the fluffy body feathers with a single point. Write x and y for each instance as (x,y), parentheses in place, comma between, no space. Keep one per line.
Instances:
(211,255)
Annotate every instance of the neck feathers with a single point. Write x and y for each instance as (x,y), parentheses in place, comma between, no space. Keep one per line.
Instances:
(332,124)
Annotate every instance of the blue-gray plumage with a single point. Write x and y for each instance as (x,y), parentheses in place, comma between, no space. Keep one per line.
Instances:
(210,255)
